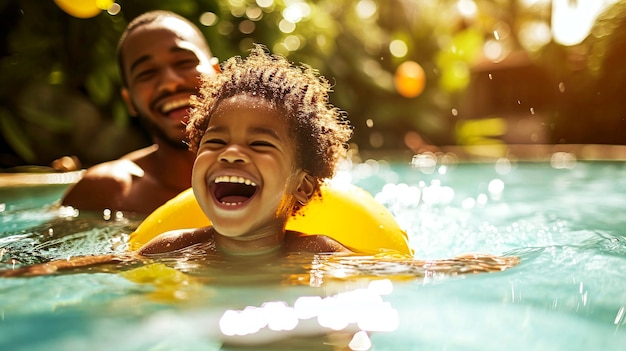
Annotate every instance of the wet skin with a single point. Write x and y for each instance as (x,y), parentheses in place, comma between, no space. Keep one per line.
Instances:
(162,62)
(245,176)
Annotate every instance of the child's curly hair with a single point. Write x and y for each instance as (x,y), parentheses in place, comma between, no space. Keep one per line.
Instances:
(321,130)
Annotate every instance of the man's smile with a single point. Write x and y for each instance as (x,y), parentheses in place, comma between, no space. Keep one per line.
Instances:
(174,105)
(176,110)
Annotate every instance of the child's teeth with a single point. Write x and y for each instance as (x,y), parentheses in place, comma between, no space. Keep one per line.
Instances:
(234,179)
(231,203)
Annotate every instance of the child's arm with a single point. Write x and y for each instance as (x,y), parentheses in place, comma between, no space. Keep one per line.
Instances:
(167,242)
(63,265)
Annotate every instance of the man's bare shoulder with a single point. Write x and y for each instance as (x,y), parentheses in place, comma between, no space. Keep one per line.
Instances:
(295,241)
(104,185)
(115,185)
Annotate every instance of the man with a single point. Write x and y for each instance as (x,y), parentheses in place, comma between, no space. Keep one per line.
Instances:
(161,56)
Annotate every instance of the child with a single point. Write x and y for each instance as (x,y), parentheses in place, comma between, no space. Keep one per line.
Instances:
(266,136)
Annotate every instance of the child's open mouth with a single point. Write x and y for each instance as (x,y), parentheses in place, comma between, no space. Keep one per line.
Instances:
(233,190)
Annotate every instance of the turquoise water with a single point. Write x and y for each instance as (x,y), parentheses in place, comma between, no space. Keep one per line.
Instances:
(564,220)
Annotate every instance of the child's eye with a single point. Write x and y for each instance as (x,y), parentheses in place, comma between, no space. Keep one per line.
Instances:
(262,143)
(214,141)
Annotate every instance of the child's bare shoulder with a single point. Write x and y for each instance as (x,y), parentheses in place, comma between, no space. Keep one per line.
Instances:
(295,241)
(175,240)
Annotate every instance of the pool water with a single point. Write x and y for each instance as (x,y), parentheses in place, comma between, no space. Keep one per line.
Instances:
(564,220)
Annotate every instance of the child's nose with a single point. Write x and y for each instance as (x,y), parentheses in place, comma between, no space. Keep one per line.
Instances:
(233,154)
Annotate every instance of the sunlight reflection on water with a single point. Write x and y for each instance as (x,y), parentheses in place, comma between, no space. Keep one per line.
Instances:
(561,217)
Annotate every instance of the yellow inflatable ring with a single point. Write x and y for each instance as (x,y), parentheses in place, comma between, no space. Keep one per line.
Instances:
(345,213)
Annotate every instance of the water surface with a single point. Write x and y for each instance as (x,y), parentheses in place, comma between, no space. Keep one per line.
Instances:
(563,220)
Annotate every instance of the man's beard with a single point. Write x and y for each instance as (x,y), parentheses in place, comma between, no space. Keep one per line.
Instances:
(156,132)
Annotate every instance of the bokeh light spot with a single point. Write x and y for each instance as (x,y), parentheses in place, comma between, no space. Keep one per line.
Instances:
(208,19)
(265,3)
(410,79)
(254,13)
(114,9)
(366,9)
(246,27)
(83,8)
(292,42)
(398,48)
(467,8)
(286,26)
(296,12)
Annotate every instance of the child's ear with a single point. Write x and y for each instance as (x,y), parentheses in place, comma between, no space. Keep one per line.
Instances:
(305,188)
(129,103)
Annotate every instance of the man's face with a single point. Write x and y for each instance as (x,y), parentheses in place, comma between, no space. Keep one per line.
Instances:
(162,62)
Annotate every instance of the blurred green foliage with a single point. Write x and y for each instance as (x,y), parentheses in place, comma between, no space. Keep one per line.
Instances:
(60,84)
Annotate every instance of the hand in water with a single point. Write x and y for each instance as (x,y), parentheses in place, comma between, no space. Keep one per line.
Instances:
(63,265)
